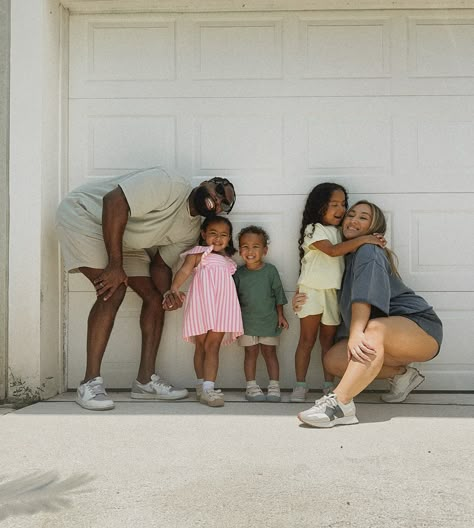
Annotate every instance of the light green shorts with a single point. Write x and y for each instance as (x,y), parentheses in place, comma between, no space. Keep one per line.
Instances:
(320,302)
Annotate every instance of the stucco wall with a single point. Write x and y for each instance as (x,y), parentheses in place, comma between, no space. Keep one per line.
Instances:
(4,113)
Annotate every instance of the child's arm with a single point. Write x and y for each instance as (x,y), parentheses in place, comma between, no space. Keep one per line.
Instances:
(282,322)
(348,246)
(190,262)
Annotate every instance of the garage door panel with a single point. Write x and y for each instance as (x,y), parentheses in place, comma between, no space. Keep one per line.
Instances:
(430,234)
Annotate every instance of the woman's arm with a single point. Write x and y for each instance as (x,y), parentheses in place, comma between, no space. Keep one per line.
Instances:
(348,246)
(358,348)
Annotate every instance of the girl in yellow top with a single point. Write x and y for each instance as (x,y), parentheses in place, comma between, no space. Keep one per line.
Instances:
(322,265)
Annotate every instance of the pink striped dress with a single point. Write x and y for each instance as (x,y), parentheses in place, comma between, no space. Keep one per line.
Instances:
(212,302)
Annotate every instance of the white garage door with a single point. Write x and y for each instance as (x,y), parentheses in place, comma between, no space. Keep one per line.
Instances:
(381,102)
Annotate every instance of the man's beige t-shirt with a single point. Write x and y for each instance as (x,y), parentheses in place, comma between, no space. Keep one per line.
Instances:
(318,270)
(159,211)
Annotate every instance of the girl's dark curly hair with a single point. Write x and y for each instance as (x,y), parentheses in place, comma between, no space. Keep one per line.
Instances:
(230,249)
(316,207)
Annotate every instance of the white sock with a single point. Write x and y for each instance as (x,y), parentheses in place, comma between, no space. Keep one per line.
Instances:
(274,382)
(251,383)
(208,385)
(199,381)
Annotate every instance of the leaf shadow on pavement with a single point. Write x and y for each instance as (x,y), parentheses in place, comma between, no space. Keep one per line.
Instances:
(37,492)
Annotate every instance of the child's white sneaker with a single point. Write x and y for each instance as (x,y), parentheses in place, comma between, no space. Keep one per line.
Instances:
(299,394)
(273,393)
(254,393)
(328,412)
(198,391)
(212,398)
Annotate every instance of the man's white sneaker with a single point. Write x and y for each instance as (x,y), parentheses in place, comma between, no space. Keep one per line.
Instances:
(299,394)
(91,395)
(273,393)
(402,385)
(254,393)
(156,389)
(328,412)
(212,398)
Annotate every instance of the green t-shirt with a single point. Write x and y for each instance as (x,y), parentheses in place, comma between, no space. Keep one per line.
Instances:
(260,291)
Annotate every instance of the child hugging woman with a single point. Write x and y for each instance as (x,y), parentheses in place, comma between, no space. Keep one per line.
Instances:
(322,265)
(212,313)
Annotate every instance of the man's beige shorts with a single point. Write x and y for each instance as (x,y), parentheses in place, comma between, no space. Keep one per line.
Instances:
(80,250)
(246,341)
(320,302)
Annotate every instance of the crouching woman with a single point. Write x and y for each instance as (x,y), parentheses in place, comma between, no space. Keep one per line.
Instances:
(385,326)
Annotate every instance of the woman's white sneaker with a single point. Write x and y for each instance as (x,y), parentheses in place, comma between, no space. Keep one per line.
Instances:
(402,384)
(328,412)
(92,396)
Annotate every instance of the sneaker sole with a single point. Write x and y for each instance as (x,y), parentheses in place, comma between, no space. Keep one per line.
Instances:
(218,403)
(260,398)
(297,400)
(146,396)
(346,420)
(84,405)
(274,399)
(413,385)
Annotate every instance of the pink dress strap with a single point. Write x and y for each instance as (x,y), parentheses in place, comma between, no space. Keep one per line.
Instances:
(198,249)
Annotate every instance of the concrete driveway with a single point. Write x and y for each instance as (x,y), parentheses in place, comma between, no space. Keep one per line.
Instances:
(181,464)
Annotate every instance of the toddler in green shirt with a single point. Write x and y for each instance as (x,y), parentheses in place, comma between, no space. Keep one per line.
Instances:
(261,299)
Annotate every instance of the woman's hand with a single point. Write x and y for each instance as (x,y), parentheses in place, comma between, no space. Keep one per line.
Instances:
(109,280)
(359,349)
(172,300)
(298,300)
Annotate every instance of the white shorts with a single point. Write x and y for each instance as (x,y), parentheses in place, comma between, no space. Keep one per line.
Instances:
(80,250)
(246,341)
(320,302)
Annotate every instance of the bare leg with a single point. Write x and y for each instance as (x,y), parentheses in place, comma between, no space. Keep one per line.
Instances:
(250,361)
(397,342)
(99,325)
(151,324)
(326,338)
(199,356)
(211,358)
(271,360)
(308,332)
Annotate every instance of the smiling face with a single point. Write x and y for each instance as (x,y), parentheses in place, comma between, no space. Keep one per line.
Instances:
(212,198)
(217,234)
(336,209)
(358,221)
(252,249)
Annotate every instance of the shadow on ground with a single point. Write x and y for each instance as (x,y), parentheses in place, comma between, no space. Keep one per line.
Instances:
(37,493)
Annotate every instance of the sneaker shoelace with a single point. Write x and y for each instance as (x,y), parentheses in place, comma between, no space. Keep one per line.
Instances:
(214,394)
(164,384)
(326,401)
(96,389)
(254,390)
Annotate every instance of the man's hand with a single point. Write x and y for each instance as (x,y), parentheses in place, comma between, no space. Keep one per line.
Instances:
(109,280)
(172,300)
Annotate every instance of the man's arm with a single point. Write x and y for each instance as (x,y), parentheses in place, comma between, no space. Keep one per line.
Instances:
(114,220)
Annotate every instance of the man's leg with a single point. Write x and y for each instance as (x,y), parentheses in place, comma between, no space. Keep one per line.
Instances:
(100,323)
(151,324)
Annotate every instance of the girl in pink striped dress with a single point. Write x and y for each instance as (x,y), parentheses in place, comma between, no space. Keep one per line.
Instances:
(212,312)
